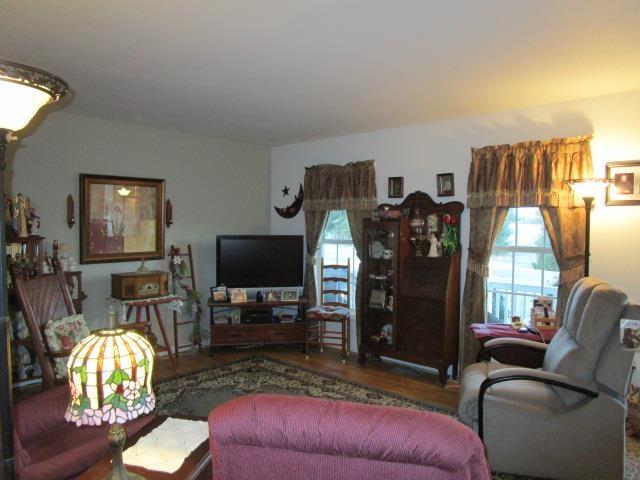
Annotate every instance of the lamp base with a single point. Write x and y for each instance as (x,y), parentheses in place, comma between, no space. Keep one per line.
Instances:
(117,437)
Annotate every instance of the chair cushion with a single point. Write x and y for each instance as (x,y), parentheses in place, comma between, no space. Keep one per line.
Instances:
(63,334)
(323,312)
(593,312)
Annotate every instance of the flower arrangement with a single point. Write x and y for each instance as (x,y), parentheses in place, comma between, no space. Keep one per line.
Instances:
(450,235)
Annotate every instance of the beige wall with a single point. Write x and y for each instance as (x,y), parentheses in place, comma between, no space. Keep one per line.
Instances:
(419,152)
(216,186)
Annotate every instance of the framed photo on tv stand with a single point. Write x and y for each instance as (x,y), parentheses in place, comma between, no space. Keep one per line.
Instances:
(238,295)
(289,295)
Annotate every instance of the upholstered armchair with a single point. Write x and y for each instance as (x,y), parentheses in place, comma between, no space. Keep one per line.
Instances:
(47,447)
(275,437)
(565,420)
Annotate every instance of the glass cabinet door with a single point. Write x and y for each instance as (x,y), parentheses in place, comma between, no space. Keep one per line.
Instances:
(380,272)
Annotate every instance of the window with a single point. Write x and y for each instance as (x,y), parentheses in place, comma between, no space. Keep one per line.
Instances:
(522,266)
(336,246)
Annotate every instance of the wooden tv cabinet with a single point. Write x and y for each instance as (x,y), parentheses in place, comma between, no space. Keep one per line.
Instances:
(256,333)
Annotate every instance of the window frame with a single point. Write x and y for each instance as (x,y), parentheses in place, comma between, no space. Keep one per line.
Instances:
(546,249)
(317,257)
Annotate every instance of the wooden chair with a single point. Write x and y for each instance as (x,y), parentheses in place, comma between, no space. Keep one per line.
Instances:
(334,284)
(191,276)
(43,298)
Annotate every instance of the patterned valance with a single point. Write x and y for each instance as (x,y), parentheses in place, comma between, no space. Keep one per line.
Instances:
(340,187)
(528,174)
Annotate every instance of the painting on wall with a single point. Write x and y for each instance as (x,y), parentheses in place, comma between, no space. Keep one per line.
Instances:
(121,218)
(625,186)
(445,184)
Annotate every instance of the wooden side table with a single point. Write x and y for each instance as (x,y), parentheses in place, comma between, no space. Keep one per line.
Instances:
(146,304)
(488,331)
(196,466)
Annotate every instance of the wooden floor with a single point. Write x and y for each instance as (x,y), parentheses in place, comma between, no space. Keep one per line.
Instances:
(410,382)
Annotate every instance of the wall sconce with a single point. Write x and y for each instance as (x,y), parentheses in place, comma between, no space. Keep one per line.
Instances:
(71,214)
(588,189)
(168,213)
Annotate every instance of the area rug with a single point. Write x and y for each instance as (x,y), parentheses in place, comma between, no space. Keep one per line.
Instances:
(196,394)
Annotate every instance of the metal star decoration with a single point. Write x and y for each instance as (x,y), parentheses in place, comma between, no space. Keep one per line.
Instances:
(285,191)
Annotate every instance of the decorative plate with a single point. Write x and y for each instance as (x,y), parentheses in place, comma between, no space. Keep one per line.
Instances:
(377,249)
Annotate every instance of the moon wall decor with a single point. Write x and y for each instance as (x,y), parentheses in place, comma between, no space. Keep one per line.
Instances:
(292,210)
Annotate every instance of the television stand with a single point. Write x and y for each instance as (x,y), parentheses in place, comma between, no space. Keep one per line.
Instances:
(256,333)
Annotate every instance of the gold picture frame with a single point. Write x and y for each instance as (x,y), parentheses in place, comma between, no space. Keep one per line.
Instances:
(121,218)
(238,295)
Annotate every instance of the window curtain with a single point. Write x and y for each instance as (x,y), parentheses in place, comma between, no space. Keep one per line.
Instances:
(527,174)
(350,187)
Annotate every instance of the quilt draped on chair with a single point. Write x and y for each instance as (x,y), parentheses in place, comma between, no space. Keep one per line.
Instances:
(350,187)
(526,174)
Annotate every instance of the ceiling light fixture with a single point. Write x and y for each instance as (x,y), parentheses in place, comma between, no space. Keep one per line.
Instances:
(124,191)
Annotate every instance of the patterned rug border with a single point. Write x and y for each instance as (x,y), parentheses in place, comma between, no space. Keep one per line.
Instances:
(261,356)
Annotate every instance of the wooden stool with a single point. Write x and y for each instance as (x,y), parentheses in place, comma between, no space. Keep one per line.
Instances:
(331,311)
(140,324)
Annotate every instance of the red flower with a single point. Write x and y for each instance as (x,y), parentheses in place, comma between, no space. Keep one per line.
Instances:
(449,220)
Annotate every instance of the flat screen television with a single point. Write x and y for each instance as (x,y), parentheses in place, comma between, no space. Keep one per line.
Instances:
(259,260)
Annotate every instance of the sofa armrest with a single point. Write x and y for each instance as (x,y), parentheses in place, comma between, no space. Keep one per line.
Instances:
(351,430)
(515,343)
(41,412)
(516,373)
(514,351)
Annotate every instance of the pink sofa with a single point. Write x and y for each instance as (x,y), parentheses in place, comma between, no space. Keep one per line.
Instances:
(47,447)
(276,437)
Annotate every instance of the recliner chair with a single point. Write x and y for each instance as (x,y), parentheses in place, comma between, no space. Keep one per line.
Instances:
(565,420)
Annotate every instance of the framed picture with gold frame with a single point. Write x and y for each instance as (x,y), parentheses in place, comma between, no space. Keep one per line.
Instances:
(121,218)
(238,295)
(625,186)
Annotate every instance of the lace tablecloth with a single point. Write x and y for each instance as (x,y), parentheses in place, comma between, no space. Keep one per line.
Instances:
(166,447)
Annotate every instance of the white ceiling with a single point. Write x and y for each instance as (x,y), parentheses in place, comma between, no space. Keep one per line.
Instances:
(283,71)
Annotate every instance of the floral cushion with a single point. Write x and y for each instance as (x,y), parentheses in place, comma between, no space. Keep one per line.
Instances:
(322,312)
(64,334)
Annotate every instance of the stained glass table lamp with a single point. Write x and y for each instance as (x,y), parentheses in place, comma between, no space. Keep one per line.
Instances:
(110,379)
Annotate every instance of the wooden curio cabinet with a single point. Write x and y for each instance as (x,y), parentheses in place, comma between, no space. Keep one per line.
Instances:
(412,300)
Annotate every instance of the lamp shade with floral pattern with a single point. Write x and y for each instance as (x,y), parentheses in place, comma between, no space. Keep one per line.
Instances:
(110,378)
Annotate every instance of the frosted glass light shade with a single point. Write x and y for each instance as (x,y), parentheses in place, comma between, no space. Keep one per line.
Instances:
(110,378)
(589,187)
(23,91)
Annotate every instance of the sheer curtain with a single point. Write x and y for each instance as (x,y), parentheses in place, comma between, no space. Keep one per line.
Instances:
(350,187)
(527,174)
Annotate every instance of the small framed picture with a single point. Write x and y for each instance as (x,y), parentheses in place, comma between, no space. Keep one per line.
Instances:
(238,295)
(289,295)
(377,299)
(219,296)
(396,187)
(625,189)
(445,184)
(270,297)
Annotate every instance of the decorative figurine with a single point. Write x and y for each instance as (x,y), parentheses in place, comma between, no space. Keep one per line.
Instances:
(23,231)
(34,222)
(433,248)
